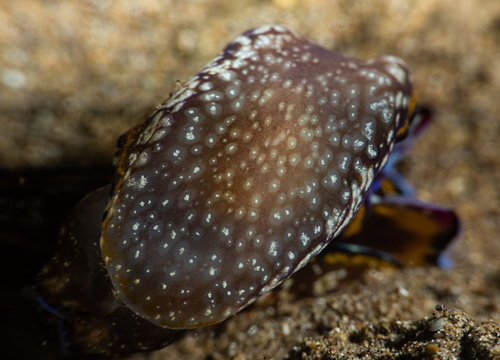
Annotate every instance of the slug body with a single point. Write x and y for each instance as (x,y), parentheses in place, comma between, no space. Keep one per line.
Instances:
(233,184)
(246,173)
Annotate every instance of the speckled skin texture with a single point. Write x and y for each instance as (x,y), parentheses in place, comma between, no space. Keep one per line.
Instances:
(75,286)
(246,173)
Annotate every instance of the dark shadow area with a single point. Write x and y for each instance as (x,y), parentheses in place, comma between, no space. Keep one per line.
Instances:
(33,203)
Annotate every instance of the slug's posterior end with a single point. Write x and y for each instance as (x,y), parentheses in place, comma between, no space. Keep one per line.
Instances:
(75,279)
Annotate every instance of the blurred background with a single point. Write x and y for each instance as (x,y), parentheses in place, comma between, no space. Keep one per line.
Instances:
(75,75)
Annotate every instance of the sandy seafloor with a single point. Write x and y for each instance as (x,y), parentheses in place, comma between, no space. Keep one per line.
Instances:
(74,75)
